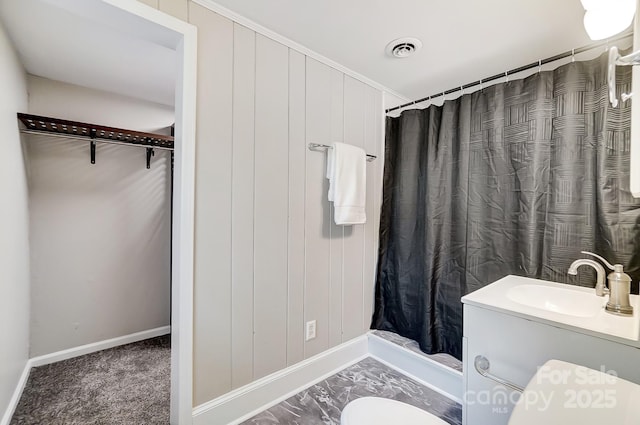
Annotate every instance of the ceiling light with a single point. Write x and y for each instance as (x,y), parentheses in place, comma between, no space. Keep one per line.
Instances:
(606,18)
(403,47)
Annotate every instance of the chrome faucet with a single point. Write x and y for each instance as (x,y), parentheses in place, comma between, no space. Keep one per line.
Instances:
(601,290)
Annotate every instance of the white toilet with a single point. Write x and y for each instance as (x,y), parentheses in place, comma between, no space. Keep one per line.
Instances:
(574,394)
(599,399)
(383,411)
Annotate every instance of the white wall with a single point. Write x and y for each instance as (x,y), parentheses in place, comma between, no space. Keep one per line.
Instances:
(100,234)
(72,102)
(14,227)
(267,256)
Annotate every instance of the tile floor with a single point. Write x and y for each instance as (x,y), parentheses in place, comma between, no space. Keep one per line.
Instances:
(323,402)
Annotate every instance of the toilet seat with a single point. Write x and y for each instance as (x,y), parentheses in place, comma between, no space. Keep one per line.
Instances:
(383,411)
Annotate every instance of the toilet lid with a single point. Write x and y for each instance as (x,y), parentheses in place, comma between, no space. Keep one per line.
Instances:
(383,411)
(562,393)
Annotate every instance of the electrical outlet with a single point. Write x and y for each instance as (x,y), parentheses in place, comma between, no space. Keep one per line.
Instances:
(311,330)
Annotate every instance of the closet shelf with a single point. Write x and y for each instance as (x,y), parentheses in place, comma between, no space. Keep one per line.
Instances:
(39,124)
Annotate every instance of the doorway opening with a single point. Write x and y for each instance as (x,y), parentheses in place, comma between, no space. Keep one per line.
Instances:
(75,50)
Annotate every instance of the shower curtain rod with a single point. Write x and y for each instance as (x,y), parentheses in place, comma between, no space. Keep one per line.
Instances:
(505,74)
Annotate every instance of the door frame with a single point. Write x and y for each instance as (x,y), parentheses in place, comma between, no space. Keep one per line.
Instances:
(184,37)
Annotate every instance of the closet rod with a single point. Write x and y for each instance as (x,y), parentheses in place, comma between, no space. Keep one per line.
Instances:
(567,54)
(84,139)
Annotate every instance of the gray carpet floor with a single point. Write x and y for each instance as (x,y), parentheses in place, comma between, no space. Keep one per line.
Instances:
(129,384)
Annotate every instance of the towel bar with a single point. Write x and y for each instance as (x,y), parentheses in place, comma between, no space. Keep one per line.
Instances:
(319,146)
(482,366)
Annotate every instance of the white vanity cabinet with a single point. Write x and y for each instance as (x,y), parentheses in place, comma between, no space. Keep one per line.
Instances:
(517,343)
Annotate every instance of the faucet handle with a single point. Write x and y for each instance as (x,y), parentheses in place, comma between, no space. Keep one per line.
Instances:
(606,263)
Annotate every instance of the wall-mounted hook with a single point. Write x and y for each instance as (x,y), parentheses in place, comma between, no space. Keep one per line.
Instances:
(150,153)
(611,75)
(92,134)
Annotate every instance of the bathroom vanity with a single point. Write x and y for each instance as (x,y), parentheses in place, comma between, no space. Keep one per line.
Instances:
(518,324)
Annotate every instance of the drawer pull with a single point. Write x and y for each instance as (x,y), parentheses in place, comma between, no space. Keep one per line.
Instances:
(482,365)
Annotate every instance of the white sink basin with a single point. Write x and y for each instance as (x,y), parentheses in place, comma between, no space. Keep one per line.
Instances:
(557,300)
(572,307)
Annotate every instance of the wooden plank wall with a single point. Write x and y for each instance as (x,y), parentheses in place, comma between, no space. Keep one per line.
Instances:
(212,331)
(268,256)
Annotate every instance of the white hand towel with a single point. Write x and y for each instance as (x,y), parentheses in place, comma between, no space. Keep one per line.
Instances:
(347,174)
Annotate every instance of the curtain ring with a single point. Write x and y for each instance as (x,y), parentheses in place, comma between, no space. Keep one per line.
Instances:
(506,76)
(539,66)
(444,98)
(462,90)
(573,55)
(481,85)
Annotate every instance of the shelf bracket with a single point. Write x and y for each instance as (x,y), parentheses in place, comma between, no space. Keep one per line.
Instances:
(93,146)
(150,153)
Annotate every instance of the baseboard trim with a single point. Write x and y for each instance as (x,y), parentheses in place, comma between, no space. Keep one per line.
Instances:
(98,346)
(243,403)
(440,378)
(17,393)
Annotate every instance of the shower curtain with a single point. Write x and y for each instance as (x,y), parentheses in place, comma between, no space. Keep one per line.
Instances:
(515,179)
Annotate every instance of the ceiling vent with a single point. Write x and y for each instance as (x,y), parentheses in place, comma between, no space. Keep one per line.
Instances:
(403,47)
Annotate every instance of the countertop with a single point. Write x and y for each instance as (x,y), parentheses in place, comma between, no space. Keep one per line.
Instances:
(621,329)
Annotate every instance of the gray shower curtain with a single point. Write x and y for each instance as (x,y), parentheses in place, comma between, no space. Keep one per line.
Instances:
(515,179)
